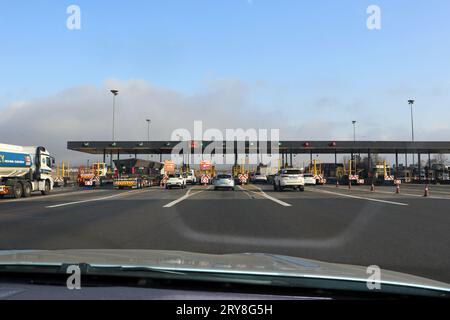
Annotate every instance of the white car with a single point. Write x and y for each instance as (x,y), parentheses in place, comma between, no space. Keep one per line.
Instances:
(309,179)
(176,180)
(191,178)
(224,181)
(289,178)
(259,178)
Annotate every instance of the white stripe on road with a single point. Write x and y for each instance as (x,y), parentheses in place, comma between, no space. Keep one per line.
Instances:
(187,195)
(42,197)
(362,198)
(91,200)
(400,194)
(265,195)
(246,192)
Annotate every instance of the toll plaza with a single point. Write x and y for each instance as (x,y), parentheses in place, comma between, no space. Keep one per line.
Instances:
(422,150)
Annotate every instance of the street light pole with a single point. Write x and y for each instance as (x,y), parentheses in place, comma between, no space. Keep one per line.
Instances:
(148,133)
(411,102)
(354,131)
(354,141)
(115,93)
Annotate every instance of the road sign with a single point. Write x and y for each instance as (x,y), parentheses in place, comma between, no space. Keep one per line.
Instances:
(169,166)
(243,178)
(205,179)
(205,165)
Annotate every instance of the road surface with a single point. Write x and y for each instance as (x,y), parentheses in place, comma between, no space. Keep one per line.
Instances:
(404,232)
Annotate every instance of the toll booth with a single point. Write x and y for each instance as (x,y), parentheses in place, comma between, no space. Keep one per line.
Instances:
(133,168)
(332,172)
(138,166)
(382,174)
(353,174)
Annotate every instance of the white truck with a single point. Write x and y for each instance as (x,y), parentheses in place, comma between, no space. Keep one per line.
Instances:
(24,170)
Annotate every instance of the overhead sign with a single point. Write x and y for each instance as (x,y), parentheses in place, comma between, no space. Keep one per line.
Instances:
(205,165)
(169,166)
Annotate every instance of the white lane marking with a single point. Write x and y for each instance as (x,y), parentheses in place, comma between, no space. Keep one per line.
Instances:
(400,194)
(91,200)
(362,198)
(184,197)
(265,195)
(246,192)
(42,197)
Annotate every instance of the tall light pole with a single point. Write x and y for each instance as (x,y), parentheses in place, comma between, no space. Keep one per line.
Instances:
(148,133)
(115,93)
(354,141)
(411,102)
(354,130)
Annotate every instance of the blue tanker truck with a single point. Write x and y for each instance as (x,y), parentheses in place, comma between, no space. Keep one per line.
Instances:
(24,170)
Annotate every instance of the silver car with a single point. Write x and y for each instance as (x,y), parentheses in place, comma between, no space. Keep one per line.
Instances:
(224,181)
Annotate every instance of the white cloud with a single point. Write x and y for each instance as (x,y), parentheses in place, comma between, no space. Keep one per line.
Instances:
(85,113)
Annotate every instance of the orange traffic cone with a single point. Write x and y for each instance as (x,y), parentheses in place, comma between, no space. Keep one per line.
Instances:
(337,184)
(425,194)
(372,187)
(397,188)
(349,184)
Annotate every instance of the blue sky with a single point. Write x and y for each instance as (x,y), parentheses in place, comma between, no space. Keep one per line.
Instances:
(180,44)
(315,60)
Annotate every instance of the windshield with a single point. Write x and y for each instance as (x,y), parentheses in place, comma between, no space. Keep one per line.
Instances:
(314,130)
(224,176)
(291,172)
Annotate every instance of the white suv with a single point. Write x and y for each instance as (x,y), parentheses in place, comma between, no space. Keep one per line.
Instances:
(190,177)
(289,178)
(176,180)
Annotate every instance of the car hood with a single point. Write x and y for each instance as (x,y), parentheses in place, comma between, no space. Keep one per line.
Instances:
(242,263)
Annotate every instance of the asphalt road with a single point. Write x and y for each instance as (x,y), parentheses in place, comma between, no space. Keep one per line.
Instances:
(404,232)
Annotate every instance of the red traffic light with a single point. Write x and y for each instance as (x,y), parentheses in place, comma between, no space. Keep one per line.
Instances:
(306,144)
(333,144)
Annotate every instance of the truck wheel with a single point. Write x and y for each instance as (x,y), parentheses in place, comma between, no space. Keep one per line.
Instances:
(27,189)
(46,190)
(17,190)
(301,188)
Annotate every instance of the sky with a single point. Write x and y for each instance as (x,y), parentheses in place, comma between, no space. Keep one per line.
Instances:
(306,67)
